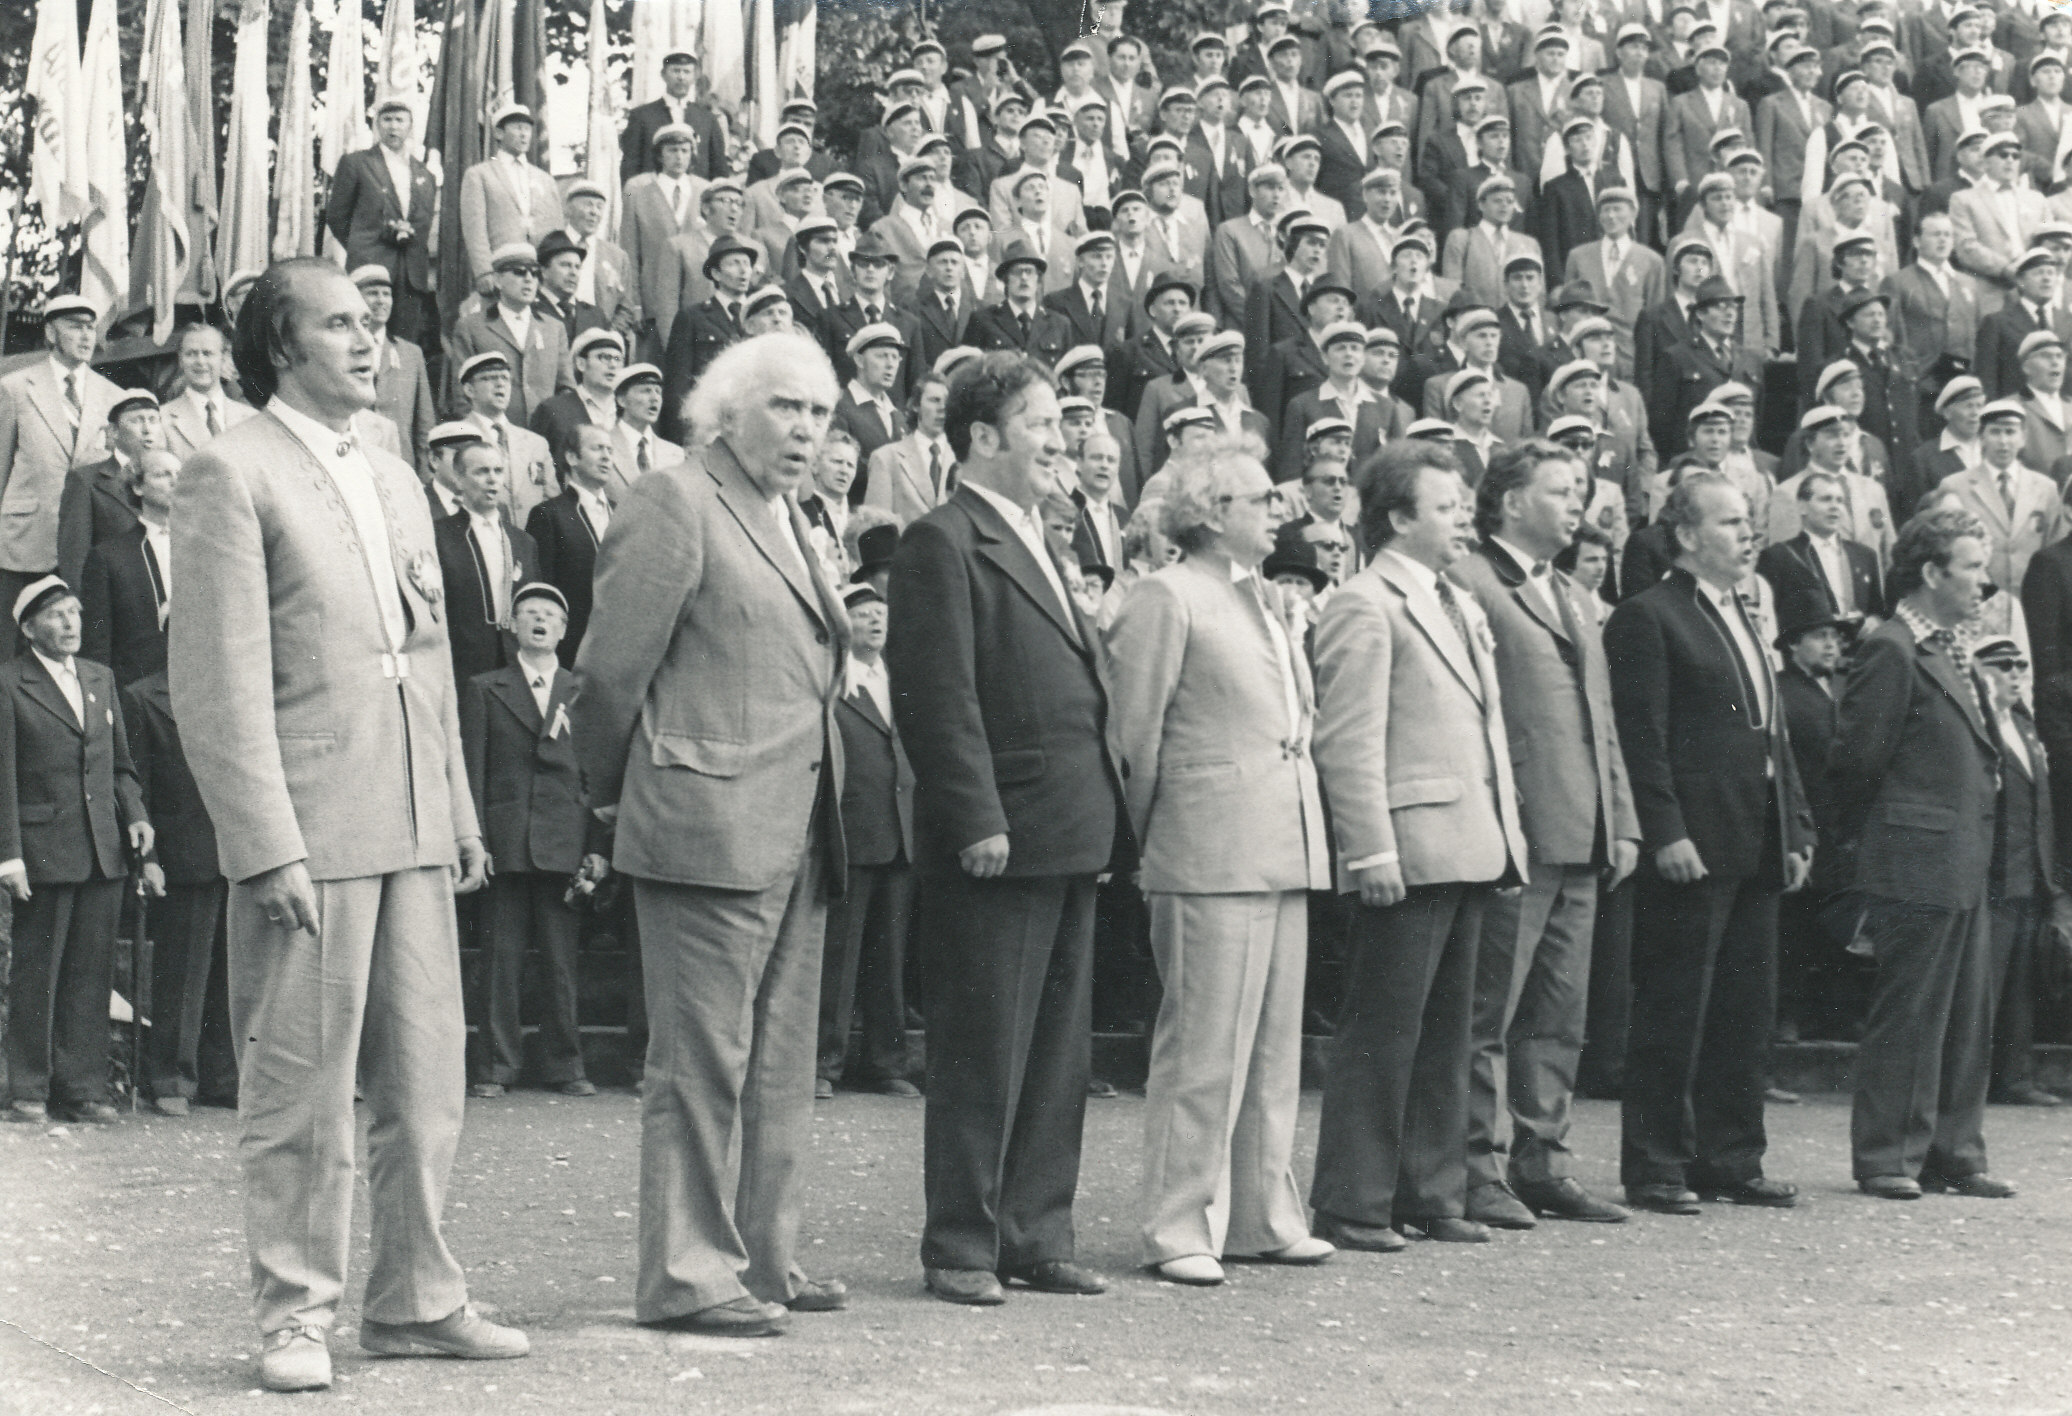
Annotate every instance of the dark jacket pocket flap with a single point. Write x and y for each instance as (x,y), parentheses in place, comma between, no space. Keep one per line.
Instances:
(1423,791)
(709,756)
(37,813)
(1921,815)
(1018,765)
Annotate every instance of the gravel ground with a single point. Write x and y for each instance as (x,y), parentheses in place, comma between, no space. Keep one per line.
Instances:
(123,1289)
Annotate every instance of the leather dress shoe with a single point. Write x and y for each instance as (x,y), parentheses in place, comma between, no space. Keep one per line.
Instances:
(897,1086)
(579,1087)
(1890,1187)
(737,1317)
(29,1113)
(976,1287)
(823,1089)
(1367,1238)
(819,1295)
(1194,1270)
(1778,1096)
(170,1105)
(1493,1204)
(2028,1095)
(1056,1276)
(462,1333)
(1104,1091)
(1762,1191)
(1445,1229)
(1304,1253)
(1978,1185)
(1662,1199)
(1566,1198)
(294,1359)
(481,1091)
(90,1113)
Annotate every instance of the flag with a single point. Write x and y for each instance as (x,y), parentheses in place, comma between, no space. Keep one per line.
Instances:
(725,52)
(105,227)
(401,73)
(797,34)
(344,127)
(294,166)
(165,231)
(601,141)
(759,70)
(57,164)
(453,136)
(241,238)
(201,147)
(779,62)
(659,30)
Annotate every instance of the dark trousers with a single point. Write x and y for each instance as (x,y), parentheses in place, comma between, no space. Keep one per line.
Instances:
(1602,1070)
(1392,1140)
(1922,1068)
(523,911)
(1008,965)
(415,317)
(1704,998)
(624,924)
(2017,925)
(1125,979)
(57,1006)
(863,969)
(189,980)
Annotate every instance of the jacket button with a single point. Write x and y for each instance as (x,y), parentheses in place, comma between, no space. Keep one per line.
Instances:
(820,635)
(813,766)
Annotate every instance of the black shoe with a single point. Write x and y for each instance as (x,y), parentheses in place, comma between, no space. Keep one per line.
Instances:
(823,1089)
(1662,1199)
(974,1287)
(1761,1191)
(1493,1204)
(1367,1238)
(1890,1187)
(1778,1096)
(1104,1091)
(1567,1199)
(895,1086)
(89,1113)
(819,1295)
(1978,1185)
(1056,1276)
(2028,1094)
(1445,1229)
(739,1317)
(577,1087)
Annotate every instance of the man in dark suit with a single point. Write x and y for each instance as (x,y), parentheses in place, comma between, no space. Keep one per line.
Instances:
(561,270)
(567,528)
(864,964)
(872,264)
(1724,830)
(598,355)
(1566,211)
(1295,365)
(1020,323)
(98,502)
(380,210)
(1154,354)
(1087,303)
(1811,997)
(1820,573)
(521,763)
(868,410)
(1710,357)
(1343,143)
(1275,306)
(2034,305)
(703,330)
(817,282)
(1492,159)
(637,143)
(190,1053)
(1822,337)
(1529,348)
(1003,707)
(70,810)
(483,559)
(941,309)
(1915,768)
(1216,157)
(1959,406)
(122,590)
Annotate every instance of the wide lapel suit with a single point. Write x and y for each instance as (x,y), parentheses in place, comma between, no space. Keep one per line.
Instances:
(648,229)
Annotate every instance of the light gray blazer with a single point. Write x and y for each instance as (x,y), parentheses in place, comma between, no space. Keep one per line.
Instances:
(281,677)
(490,215)
(899,481)
(1410,738)
(710,672)
(1221,790)
(37,448)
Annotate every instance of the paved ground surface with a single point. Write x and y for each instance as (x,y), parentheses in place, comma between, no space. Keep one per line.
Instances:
(122,1289)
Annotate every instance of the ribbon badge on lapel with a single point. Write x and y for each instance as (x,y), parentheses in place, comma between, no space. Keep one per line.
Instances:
(560,723)
(426,579)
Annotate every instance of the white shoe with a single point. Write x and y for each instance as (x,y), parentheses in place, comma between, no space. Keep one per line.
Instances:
(295,1359)
(1303,1251)
(1195,1270)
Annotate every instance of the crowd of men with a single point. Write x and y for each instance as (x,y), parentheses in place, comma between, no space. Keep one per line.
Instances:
(1521,545)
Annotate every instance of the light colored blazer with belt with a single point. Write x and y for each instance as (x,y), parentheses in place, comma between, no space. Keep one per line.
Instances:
(1410,740)
(309,738)
(1221,791)
(710,669)
(38,446)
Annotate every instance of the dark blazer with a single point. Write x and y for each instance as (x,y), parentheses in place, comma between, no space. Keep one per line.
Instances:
(184,843)
(522,770)
(363,203)
(94,507)
(1306,407)
(1341,170)
(1071,303)
(1414,326)
(697,337)
(1529,363)
(557,419)
(1914,773)
(1657,329)
(2000,337)
(1693,372)
(567,552)
(1272,314)
(1292,367)
(120,591)
(1001,700)
(808,311)
(66,791)
(1793,571)
(1812,715)
(1821,336)
(935,330)
(1700,767)
(839,324)
(2046,591)
(637,143)
(479,644)
(1133,367)
(1221,191)
(995,327)
(877,785)
(867,426)
(1565,217)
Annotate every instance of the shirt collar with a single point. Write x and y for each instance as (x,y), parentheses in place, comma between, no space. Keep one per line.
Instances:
(1423,574)
(59,668)
(1016,516)
(1526,560)
(864,395)
(322,442)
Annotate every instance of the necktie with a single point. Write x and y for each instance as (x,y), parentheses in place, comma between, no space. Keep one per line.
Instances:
(640,455)
(935,469)
(1022,318)
(1097,311)
(734,312)
(870,314)
(215,423)
(2007,490)
(1451,605)
(73,408)
(676,201)
(503,440)
(539,693)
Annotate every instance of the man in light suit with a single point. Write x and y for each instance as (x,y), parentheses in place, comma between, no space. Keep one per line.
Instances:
(1986,244)
(52,416)
(1477,255)
(1785,123)
(607,279)
(1003,706)
(1693,118)
(1576,811)
(534,345)
(1936,308)
(1245,248)
(402,386)
(381,211)
(485,387)
(203,407)
(914,474)
(2020,507)
(1411,749)
(1210,669)
(638,447)
(1724,829)
(725,805)
(504,198)
(310,675)
(1635,103)
(1620,270)
(656,208)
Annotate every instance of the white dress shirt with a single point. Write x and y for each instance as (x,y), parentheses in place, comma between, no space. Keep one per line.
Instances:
(68,682)
(160,539)
(339,455)
(519,181)
(1968,453)
(496,562)
(540,679)
(398,165)
(869,679)
(1757,667)
(1029,531)
(2010,739)
(1538,583)
(780,508)
(1834,564)
(203,403)
(593,507)
(520,322)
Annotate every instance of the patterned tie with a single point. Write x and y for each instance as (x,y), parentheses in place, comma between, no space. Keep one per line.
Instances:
(72,403)
(1448,603)
(2007,490)
(215,423)
(1022,318)
(935,469)
(640,456)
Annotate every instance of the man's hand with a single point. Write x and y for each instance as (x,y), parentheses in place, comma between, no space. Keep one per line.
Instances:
(985,859)
(595,869)
(473,871)
(1679,864)
(154,880)
(141,837)
(1380,885)
(1625,855)
(286,898)
(15,877)
(1797,866)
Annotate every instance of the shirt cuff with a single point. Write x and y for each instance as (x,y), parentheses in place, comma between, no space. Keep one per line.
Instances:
(16,861)
(1369,862)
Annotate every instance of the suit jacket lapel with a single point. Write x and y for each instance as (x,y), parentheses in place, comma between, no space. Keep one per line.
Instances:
(49,397)
(866,708)
(1427,614)
(39,685)
(1950,679)
(514,691)
(751,509)
(1006,549)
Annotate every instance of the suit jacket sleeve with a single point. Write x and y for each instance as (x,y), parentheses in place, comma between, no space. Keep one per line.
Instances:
(423,415)
(1147,649)
(10,797)
(474,741)
(931,654)
(1353,647)
(1876,698)
(345,194)
(129,790)
(652,562)
(474,222)
(1638,659)
(1673,146)
(96,605)
(10,433)
(2044,604)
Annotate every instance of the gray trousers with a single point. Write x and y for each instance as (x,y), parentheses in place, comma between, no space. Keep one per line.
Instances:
(1532,994)
(733,997)
(377,989)
(1226,1075)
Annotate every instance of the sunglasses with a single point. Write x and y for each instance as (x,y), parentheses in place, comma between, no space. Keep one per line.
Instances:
(2005,666)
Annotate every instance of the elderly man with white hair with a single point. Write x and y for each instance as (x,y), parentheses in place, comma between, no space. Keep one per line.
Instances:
(711,668)
(1208,669)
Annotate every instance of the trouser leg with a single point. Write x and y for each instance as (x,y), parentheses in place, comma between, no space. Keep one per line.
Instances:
(1511,928)
(41,923)
(881,978)
(1899,1064)
(1676,933)
(840,960)
(184,929)
(2016,928)
(1733,1052)
(558,930)
(79,1044)
(1958,1145)
(1602,1070)
(1545,1038)
(506,932)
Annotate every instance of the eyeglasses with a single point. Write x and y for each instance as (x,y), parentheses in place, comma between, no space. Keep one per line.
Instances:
(2005,666)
